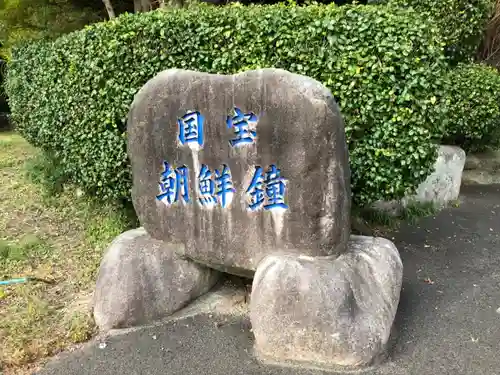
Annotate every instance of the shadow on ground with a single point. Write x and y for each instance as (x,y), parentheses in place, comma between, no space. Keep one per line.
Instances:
(446,323)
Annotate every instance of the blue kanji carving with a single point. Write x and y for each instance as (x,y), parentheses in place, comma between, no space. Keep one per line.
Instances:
(191,128)
(174,184)
(224,186)
(206,187)
(244,127)
(275,189)
(256,190)
(267,190)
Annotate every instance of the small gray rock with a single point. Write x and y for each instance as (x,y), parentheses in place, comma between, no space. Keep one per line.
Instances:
(141,280)
(440,188)
(192,127)
(442,185)
(324,312)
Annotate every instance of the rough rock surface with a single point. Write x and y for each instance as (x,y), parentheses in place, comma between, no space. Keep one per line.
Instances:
(443,185)
(439,188)
(191,121)
(326,312)
(141,280)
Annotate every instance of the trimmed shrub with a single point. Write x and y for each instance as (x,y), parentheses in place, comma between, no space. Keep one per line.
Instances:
(462,22)
(71,96)
(3,96)
(474,118)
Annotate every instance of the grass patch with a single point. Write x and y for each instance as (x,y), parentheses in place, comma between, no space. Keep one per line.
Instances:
(50,231)
(28,247)
(415,210)
(377,221)
(43,169)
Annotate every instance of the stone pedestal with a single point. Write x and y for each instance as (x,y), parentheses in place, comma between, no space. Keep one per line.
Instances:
(327,312)
(141,280)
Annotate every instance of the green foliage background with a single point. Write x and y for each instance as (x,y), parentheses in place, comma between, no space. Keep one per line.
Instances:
(474,116)
(3,96)
(71,96)
(22,20)
(461,22)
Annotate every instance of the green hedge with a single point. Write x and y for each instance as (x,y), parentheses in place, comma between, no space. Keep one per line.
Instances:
(3,96)
(384,66)
(462,22)
(474,97)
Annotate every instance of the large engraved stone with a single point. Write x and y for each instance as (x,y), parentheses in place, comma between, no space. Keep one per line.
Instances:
(238,167)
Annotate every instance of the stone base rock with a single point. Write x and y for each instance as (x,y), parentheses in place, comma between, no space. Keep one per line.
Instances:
(324,312)
(141,280)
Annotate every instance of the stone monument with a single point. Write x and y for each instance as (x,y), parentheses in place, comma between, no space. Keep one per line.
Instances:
(249,175)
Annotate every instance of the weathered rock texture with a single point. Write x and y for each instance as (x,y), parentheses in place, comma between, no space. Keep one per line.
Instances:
(327,312)
(443,185)
(482,168)
(439,188)
(298,128)
(142,280)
